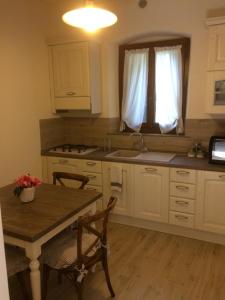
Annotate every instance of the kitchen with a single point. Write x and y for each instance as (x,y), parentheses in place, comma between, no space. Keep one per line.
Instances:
(27,27)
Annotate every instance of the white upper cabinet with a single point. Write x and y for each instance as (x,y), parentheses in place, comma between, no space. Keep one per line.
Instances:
(210,209)
(216,54)
(151,193)
(71,70)
(216,92)
(75,76)
(216,66)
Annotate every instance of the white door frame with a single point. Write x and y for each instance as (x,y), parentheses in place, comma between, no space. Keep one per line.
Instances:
(4,290)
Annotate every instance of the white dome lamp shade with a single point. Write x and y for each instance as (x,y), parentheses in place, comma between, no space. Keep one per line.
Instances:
(89,18)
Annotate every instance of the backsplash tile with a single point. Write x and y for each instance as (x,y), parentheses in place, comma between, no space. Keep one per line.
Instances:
(88,130)
(52,132)
(92,131)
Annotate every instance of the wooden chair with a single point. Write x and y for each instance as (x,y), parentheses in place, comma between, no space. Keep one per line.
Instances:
(58,176)
(18,264)
(74,257)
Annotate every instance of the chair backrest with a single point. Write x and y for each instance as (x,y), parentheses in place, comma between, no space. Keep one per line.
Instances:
(86,222)
(58,176)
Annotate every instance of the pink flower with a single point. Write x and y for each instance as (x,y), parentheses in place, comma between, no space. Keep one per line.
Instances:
(27,181)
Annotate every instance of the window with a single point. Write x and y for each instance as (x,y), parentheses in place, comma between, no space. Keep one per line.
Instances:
(153,80)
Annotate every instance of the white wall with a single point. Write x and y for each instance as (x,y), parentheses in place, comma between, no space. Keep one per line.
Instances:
(24,87)
(183,17)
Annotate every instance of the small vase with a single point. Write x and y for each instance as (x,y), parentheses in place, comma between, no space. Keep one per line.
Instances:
(27,194)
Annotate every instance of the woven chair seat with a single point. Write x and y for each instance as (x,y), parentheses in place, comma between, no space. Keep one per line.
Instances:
(61,252)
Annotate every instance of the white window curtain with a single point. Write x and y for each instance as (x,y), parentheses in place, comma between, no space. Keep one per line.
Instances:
(168,83)
(135,83)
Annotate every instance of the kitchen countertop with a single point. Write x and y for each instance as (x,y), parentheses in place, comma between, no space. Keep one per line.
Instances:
(179,161)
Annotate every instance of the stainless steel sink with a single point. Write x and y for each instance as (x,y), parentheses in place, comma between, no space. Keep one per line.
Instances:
(137,155)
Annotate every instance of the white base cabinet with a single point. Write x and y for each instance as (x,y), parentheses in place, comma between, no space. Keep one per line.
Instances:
(68,165)
(125,197)
(151,193)
(182,197)
(210,210)
(91,169)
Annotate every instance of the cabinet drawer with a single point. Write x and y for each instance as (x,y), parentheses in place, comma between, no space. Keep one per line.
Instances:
(181,219)
(183,175)
(91,166)
(64,161)
(182,190)
(182,205)
(150,169)
(99,202)
(94,178)
(93,188)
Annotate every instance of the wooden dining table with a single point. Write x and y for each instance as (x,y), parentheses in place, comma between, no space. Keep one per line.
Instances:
(30,225)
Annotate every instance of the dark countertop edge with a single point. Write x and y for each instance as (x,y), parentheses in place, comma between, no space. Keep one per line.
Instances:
(179,161)
(39,235)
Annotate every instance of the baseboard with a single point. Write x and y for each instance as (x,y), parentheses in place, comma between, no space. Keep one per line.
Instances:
(171,229)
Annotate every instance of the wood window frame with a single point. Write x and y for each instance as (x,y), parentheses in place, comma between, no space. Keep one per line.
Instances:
(151,126)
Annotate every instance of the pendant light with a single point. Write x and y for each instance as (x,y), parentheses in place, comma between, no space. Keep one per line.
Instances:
(89,18)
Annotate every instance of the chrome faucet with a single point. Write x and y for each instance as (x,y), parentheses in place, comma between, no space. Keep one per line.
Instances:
(140,144)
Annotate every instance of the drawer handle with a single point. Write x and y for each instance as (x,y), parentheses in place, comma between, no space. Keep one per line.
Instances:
(91,176)
(70,93)
(150,169)
(63,161)
(222,177)
(183,172)
(123,170)
(91,189)
(179,217)
(182,187)
(181,202)
(89,163)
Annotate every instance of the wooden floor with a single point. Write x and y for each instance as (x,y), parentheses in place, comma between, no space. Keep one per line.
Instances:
(148,265)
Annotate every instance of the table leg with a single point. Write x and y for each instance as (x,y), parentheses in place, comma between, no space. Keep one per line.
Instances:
(33,253)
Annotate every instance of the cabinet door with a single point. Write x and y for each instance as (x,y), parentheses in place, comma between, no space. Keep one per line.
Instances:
(216,60)
(70,67)
(151,197)
(216,92)
(56,164)
(125,197)
(210,214)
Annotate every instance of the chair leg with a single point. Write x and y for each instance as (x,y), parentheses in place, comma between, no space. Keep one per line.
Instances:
(59,277)
(79,288)
(107,277)
(45,277)
(22,278)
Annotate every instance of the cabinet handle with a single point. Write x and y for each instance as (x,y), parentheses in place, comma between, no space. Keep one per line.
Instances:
(150,169)
(182,202)
(63,161)
(70,93)
(179,217)
(182,172)
(89,163)
(91,176)
(91,189)
(123,170)
(182,187)
(222,177)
